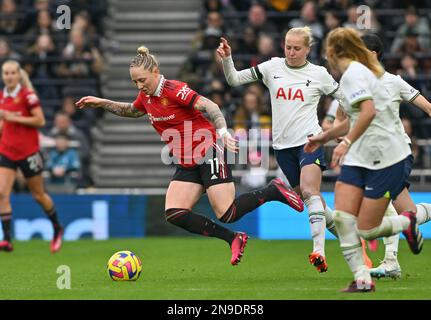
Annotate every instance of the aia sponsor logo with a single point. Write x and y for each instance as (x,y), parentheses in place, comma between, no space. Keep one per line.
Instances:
(290,94)
(184,92)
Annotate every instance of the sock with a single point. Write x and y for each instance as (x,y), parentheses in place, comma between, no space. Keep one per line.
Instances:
(391,243)
(52,216)
(350,242)
(198,224)
(391,246)
(6,219)
(330,223)
(390,226)
(247,202)
(317,221)
(423,212)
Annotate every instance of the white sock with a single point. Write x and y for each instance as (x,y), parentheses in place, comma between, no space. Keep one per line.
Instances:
(350,242)
(390,226)
(423,212)
(391,246)
(317,220)
(391,243)
(330,223)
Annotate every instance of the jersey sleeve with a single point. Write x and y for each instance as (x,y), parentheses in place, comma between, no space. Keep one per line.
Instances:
(407,92)
(357,88)
(329,85)
(332,111)
(181,94)
(138,103)
(262,70)
(32,100)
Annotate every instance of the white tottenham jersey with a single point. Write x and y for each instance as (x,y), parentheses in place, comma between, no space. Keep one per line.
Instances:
(295,94)
(399,90)
(382,144)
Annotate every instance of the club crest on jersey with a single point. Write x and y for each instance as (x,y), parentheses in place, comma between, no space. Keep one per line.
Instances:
(17,100)
(290,94)
(164,101)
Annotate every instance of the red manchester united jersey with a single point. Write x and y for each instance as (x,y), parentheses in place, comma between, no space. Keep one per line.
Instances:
(171,111)
(18,141)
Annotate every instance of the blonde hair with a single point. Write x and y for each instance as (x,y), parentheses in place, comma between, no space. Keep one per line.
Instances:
(305,33)
(144,59)
(24,78)
(347,43)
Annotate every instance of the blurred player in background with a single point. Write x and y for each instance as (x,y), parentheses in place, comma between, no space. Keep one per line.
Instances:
(295,86)
(175,111)
(372,156)
(21,116)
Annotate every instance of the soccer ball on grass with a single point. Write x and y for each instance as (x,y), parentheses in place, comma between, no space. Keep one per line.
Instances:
(124,266)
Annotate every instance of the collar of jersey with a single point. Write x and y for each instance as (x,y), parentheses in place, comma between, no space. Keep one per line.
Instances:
(300,67)
(14,92)
(160,86)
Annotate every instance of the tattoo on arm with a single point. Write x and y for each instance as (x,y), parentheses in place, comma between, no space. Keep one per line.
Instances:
(123,109)
(213,111)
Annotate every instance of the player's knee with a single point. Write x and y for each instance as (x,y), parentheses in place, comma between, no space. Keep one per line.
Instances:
(369,234)
(4,197)
(173,215)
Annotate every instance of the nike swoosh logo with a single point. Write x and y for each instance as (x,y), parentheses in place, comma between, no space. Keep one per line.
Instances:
(276,77)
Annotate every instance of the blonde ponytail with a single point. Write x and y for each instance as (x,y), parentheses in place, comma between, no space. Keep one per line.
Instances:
(25,80)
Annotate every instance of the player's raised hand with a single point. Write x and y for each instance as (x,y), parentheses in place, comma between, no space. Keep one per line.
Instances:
(89,102)
(224,49)
(314,142)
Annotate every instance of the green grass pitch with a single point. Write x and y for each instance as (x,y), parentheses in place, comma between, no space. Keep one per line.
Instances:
(199,268)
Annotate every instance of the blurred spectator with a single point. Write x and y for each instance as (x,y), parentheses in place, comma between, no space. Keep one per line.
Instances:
(82,22)
(11,22)
(63,125)
(251,114)
(257,19)
(208,38)
(82,119)
(89,62)
(266,50)
(247,44)
(45,25)
(39,65)
(96,9)
(309,18)
(332,21)
(6,52)
(220,6)
(410,44)
(63,162)
(352,17)
(413,25)
(409,72)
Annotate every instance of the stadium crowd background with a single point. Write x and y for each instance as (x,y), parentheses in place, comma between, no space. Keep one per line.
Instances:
(65,65)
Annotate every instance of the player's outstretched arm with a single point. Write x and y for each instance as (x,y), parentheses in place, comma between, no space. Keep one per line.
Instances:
(421,102)
(216,117)
(233,77)
(122,109)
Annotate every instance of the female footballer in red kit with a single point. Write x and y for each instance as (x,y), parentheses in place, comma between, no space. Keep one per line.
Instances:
(175,111)
(21,115)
